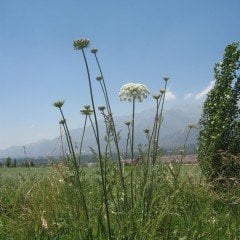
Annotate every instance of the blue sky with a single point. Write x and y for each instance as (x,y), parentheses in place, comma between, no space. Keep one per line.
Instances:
(138,41)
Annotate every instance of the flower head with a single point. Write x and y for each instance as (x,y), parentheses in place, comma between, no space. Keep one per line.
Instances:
(156,96)
(162,91)
(99,78)
(94,50)
(101,108)
(58,104)
(191,125)
(135,91)
(127,123)
(63,121)
(166,78)
(81,43)
(146,130)
(86,110)
(87,107)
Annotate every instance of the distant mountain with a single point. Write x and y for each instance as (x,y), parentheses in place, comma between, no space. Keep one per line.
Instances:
(173,133)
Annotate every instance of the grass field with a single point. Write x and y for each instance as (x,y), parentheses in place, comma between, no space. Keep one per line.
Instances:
(43,203)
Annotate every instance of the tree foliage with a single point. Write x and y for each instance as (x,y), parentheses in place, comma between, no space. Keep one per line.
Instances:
(8,162)
(219,137)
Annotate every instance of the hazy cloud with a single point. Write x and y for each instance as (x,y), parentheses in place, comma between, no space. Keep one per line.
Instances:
(187,95)
(170,95)
(205,91)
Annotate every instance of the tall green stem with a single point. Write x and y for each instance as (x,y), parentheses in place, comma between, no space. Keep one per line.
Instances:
(132,149)
(99,148)
(70,143)
(128,138)
(161,113)
(113,128)
(81,143)
(77,173)
(61,139)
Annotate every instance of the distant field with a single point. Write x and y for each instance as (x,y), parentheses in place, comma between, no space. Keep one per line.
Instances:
(41,172)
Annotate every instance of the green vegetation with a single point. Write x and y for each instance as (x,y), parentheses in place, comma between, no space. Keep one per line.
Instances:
(142,198)
(219,138)
(39,203)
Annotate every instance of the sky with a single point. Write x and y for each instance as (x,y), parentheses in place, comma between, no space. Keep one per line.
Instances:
(137,40)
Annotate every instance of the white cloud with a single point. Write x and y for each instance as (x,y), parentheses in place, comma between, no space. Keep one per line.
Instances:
(169,96)
(205,91)
(187,95)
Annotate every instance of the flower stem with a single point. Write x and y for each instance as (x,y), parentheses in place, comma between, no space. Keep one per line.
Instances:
(76,171)
(161,113)
(132,150)
(81,143)
(128,138)
(113,128)
(99,148)
(62,145)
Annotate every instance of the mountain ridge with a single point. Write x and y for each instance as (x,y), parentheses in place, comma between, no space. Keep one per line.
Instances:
(172,133)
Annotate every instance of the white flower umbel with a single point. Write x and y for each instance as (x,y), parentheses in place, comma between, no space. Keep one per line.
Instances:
(133,92)
(136,91)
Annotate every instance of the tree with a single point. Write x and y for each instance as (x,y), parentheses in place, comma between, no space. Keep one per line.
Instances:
(219,137)
(8,162)
(14,164)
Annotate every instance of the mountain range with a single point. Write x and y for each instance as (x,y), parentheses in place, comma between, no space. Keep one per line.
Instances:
(172,134)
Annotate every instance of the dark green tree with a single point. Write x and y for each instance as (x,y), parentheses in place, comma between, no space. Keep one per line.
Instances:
(14,164)
(219,137)
(8,162)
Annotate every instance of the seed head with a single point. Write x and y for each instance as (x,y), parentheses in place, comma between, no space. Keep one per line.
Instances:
(101,108)
(63,121)
(131,91)
(165,79)
(191,125)
(127,123)
(94,50)
(146,130)
(156,96)
(58,104)
(162,90)
(86,110)
(81,43)
(99,78)
(87,107)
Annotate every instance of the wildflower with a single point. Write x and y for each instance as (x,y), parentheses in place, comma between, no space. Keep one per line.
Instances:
(127,123)
(162,91)
(63,121)
(101,108)
(81,43)
(135,91)
(58,104)
(191,125)
(165,79)
(86,110)
(156,96)
(146,130)
(99,78)
(94,50)
(87,107)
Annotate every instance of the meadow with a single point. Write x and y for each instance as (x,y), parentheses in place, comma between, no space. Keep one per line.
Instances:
(142,198)
(42,203)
